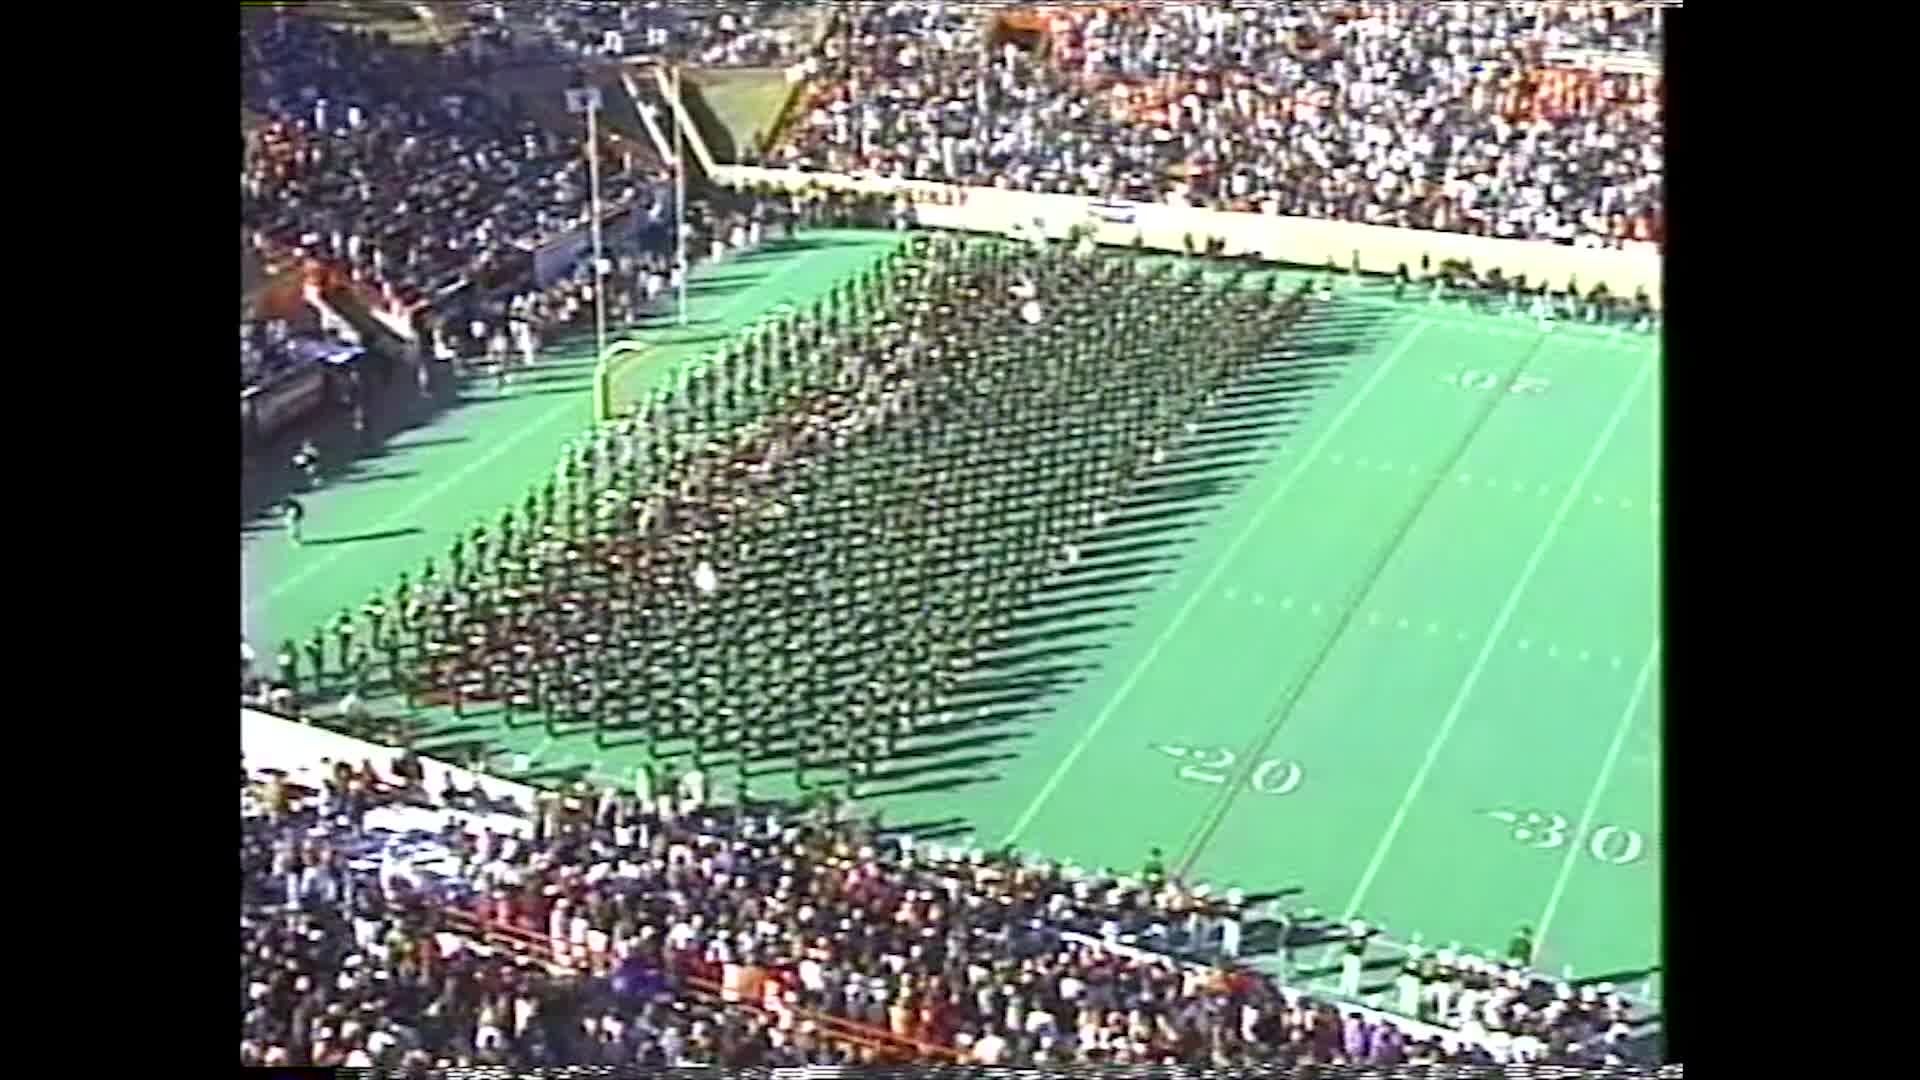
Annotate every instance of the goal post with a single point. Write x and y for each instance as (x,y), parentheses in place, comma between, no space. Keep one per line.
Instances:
(610,394)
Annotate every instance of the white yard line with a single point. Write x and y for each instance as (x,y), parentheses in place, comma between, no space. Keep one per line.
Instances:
(546,419)
(1512,604)
(1519,328)
(1600,783)
(1205,587)
(538,750)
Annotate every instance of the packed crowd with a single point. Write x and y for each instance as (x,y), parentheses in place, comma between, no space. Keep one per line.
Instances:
(407,191)
(642,269)
(1456,117)
(263,351)
(612,931)
(710,35)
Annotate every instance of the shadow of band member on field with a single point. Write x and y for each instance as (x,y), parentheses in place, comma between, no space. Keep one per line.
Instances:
(355,538)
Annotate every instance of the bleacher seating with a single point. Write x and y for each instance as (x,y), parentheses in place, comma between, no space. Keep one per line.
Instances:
(1443,116)
(709,35)
(802,936)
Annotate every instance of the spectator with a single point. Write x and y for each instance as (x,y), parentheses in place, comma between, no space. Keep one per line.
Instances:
(708,34)
(378,166)
(1434,116)
(919,945)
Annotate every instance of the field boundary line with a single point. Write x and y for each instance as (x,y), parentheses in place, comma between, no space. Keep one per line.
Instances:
(540,424)
(1350,606)
(1594,796)
(1499,627)
(1206,584)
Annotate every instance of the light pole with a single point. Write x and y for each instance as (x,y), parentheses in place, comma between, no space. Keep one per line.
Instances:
(674,109)
(587,100)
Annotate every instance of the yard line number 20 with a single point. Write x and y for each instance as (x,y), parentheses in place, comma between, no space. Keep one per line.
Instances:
(1275,776)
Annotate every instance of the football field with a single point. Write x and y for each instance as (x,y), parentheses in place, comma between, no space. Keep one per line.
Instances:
(1384,633)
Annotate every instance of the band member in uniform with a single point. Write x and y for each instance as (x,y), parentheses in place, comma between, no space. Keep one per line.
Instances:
(292,514)
(306,461)
(1353,953)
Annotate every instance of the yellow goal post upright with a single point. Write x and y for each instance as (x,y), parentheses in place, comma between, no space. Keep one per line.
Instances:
(606,374)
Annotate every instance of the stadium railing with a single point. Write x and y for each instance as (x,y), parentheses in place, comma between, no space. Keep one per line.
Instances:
(583,959)
(688,130)
(1419,1029)
(647,110)
(267,740)
(269,408)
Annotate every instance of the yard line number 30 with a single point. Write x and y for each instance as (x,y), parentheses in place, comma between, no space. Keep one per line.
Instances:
(1614,845)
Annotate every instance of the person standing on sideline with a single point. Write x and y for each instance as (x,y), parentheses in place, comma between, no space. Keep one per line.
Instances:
(529,345)
(499,356)
(643,785)
(293,514)
(693,791)
(306,461)
(1410,983)
(1354,953)
(1230,924)
(287,663)
(1286,920)
(1520,949)
(1154,871)
(417,356)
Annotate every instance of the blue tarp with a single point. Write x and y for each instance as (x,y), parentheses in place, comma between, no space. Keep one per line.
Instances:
(323,351)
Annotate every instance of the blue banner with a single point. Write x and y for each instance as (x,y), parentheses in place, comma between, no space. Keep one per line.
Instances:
(323,351)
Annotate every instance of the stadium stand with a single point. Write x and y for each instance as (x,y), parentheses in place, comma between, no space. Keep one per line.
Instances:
(1462,117)
(264,355)
(393,923)
(386,924)
(710,35)
(407,193)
